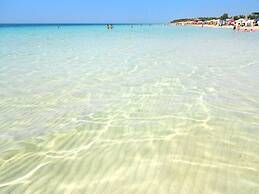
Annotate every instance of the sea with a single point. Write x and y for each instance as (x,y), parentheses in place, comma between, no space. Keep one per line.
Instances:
(138,109)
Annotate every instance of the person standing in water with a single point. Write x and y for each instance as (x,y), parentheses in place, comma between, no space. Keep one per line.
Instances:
(109,26)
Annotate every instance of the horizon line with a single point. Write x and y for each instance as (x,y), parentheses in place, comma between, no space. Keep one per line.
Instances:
(82,23)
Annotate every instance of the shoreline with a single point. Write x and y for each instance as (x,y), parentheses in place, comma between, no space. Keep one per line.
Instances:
(254,28)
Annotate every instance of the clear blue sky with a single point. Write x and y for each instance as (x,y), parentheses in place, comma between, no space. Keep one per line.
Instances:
(117,11)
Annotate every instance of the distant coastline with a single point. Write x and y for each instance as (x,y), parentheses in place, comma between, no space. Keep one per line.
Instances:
(240,22)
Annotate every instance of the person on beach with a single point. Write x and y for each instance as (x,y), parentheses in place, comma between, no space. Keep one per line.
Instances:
(238,27)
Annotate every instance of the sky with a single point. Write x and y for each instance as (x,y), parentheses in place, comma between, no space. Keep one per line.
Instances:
(117,11)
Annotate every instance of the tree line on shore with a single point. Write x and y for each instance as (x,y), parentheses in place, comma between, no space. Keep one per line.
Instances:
(223,17)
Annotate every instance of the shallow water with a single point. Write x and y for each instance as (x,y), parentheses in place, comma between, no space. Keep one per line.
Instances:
(142,109)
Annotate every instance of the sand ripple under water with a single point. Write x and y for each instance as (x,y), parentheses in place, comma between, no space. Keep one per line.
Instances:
(141,110)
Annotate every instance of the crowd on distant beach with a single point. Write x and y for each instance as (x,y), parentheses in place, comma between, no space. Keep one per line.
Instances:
(245,23)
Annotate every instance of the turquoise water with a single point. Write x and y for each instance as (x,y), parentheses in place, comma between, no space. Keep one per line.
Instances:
(141,109)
